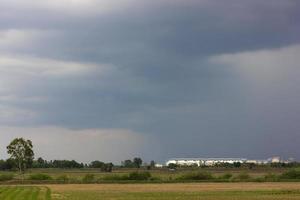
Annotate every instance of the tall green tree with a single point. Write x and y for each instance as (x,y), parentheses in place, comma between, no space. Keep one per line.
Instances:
(127,163)
(137,162)
(152,164)
(21,151)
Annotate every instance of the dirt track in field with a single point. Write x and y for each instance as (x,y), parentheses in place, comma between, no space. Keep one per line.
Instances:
(176,187)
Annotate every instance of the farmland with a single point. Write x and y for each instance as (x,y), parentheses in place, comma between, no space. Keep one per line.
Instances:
(180,191)
(92,184)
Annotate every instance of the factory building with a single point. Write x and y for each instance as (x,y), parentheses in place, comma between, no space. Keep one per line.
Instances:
(203,161)
(214,161)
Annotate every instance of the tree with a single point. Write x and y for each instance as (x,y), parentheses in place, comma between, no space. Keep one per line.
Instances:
(6,164)
(137,162)
(152,164)
(107,167)
(97,164)
(21,151)
(66,164)
(172,166)
(127,163)
(41,161)
(237,164)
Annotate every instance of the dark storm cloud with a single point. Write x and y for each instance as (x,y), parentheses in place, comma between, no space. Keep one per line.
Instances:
(145,67)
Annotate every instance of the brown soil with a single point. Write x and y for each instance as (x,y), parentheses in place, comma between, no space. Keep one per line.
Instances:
(175,187)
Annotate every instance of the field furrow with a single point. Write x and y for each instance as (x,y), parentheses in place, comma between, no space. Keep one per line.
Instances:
(14,194)
(24,193)
(6,192)
(34,194)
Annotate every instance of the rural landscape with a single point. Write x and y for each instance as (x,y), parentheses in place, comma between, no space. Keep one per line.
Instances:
(23,177)
(149,100)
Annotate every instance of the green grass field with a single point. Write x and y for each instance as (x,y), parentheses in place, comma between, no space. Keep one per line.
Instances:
(24,193)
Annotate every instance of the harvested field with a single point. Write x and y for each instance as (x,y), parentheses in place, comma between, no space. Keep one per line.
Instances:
(203,191)
(176,187)
(179,191)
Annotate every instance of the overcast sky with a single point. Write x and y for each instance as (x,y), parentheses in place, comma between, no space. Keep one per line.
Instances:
(110,80)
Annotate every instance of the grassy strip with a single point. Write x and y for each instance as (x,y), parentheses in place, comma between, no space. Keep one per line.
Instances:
(20,195)
(35,193)
(14,194)
(27,193)
(48,194)
(6,177)
(6,192)
(23,193)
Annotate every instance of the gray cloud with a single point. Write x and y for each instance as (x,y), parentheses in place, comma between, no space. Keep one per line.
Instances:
(158,68)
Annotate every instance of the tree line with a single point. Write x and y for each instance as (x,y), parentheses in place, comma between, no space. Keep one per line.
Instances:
(22,157)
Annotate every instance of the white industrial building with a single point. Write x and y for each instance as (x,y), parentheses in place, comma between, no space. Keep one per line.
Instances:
(204,161)
(258,162)
(214,161)
(157,165)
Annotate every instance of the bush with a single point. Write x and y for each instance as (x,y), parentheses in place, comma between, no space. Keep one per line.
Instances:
(63,178)
(259,179)
(40,177)
(88,178)
(115,177)
(271,177)
(225,176)
(172,166)
(291,174)
(139,176)
(6,177)
(107,167)
(242,176)
(196,176)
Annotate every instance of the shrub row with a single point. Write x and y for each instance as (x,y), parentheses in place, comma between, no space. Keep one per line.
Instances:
(137,176)
(293,174)
(40,177)
(6,177)
(206,176)
(45,177)
(196,176)
(90,178)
